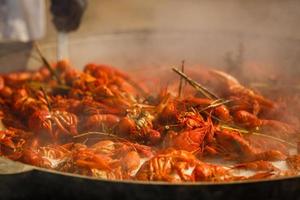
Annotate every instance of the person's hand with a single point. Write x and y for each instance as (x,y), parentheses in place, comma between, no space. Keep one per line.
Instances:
(67,14)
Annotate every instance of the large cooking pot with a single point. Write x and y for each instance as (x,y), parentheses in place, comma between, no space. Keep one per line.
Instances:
(20,181)
(146,50)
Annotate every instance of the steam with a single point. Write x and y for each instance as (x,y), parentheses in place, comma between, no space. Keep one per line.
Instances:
(266,30)
(201,32)
(256,41)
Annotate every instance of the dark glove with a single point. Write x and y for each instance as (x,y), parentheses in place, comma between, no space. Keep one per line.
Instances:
(67,14)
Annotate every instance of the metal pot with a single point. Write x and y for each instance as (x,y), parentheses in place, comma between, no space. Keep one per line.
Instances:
(154,50)
(20,181)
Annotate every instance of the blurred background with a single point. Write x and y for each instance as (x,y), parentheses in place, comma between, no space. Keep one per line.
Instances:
(256,34)
(274,18)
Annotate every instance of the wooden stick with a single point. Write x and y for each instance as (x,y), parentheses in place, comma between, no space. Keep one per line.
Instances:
(181,80)
(216,103)
(99,134)
(46,98)
(196,85)
(46,63)
(258,134)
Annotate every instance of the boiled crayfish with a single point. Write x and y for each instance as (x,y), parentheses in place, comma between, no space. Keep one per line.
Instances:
(103,123)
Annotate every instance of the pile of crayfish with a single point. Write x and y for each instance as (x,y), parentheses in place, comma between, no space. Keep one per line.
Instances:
(104,123)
